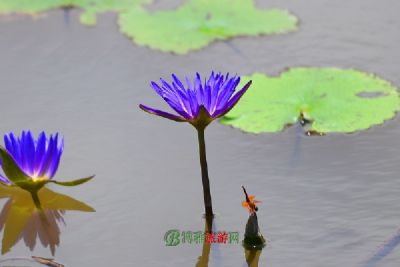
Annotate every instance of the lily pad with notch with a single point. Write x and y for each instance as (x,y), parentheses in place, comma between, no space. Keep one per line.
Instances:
(330,99)
(197,23)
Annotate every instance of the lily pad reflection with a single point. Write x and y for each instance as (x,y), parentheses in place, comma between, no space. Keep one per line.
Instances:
(20,219)
(252,256)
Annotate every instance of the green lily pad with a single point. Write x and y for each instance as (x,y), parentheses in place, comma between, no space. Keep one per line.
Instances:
(333,100)
(199,22)
(90,7)
(192,26)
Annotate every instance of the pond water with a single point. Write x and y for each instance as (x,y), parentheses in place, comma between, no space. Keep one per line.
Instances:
(326,201)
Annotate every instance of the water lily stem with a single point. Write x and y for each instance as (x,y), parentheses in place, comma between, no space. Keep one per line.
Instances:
(36,200)
(204,173)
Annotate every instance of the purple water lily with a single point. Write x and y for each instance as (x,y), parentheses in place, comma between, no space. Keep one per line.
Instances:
(215,97)
(199,103)
(31,164)
(38,159)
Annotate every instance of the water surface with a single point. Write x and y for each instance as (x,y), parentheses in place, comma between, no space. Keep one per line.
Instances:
(332,205)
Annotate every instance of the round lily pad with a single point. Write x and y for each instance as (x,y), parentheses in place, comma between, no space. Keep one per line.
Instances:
(331,99)
(199,22)
(90,7)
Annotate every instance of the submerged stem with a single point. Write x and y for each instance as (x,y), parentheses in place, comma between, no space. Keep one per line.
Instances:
(204,173)
(36,200)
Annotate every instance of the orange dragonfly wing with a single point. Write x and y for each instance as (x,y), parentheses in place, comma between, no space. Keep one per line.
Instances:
(253,201)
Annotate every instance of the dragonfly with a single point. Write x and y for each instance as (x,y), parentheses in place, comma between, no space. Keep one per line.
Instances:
(250,202)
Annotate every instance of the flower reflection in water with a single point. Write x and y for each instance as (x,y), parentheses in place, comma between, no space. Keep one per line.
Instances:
(252,256)
(20,219)
(205,255)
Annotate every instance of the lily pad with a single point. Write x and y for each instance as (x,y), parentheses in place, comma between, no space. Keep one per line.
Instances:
(333,100)
(199,22)
(90,7)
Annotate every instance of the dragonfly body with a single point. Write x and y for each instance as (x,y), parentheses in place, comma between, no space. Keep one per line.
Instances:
(250,202)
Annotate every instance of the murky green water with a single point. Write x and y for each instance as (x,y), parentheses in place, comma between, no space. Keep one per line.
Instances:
(332,203)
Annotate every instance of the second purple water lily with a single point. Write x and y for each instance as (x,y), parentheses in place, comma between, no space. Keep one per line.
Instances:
(199,103)
(31,164)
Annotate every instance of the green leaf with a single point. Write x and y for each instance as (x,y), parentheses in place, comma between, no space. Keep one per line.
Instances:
(90,7)
(30,6)
(334,100)
(11,169)
(192,26)
(73,182)
(56,201)
(199,22)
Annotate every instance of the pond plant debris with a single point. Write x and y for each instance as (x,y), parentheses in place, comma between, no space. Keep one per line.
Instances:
(253,239)
(47,261)
(31,164)
(199,103)
(328,99)
(199,21)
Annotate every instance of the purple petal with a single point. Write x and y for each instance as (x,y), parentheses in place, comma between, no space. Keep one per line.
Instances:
(183,100)
(201,91)
(178,82)
(227,91)
(162,113)
(194,104)
(212,79)
(197,81)
(175,97)
(48,156)
(157,88)
(4,179)
(51,171)
(28,146)
(232,102)
(16,151)
(198,89)
(40,152)
(188,83)
(216,90)
(166,86)
(21,141)
(8,143)
(179,102)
